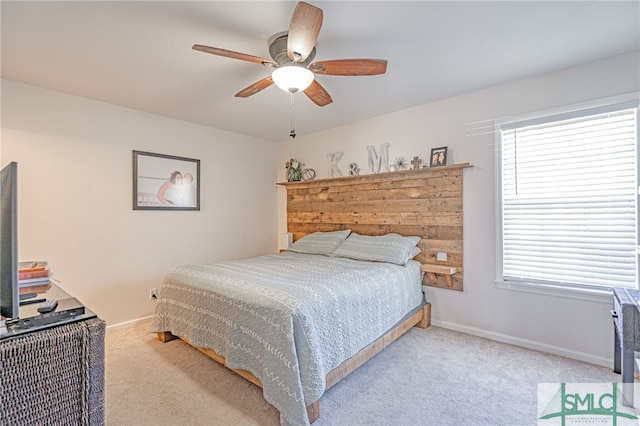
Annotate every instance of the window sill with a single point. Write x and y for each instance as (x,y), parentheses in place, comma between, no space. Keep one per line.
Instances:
(602,294)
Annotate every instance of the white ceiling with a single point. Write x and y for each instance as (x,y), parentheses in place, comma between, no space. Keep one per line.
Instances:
(138,54)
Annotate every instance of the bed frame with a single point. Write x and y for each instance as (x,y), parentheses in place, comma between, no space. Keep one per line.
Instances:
(408,208)
(421,319)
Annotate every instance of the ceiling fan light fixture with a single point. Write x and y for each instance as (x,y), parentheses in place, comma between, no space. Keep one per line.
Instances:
(292,78)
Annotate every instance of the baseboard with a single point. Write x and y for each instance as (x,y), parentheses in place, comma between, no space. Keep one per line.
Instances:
(130,323)
(526,343)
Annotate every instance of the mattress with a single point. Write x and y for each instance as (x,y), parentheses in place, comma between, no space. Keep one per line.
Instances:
(287,318)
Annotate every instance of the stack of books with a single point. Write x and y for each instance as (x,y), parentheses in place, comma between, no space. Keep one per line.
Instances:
(34,276)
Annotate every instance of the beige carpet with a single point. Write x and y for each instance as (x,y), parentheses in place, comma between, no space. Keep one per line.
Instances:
(428,377)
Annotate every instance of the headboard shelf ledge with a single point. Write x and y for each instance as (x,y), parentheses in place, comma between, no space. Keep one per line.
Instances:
(383,176)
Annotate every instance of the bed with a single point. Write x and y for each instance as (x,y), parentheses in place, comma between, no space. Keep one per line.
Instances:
(294,323)
(425,203)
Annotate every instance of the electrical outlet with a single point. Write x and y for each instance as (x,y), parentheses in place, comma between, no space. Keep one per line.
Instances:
(153,294)
(441,256)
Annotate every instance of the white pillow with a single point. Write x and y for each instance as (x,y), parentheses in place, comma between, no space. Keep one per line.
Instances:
(390,248)
(319,242)
(414,252)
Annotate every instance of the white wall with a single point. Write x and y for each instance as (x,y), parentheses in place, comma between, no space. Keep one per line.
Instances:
(576,328)
(75,196)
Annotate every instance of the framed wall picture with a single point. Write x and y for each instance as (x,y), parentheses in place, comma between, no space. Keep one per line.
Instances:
(165,182)
(438,157)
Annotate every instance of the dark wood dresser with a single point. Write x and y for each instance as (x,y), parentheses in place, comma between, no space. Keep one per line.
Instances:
(626,320)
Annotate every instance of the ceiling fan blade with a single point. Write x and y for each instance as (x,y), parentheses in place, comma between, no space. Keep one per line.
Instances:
(303,31)
(350,67)
(234,55)
(317,94)
(255,87)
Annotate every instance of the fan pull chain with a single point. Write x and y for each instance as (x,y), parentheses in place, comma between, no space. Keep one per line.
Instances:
(292,133)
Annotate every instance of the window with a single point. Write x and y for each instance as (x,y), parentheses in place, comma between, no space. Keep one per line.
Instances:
(569,196)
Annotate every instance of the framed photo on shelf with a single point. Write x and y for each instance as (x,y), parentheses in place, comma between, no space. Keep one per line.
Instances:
(438,157)
(165,182)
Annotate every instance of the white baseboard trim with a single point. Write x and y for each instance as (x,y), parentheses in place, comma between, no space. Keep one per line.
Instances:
(130,323)
(526,343)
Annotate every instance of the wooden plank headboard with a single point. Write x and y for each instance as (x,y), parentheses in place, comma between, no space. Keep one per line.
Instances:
(425,202)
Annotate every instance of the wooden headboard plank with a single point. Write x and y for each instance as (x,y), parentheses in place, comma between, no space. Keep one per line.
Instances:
(385,204)
(335,186)
(424,202)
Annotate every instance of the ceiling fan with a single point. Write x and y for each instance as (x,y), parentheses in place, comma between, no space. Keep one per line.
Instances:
(292,54)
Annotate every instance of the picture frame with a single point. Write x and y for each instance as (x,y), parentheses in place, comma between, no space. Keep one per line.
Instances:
(438,157)
(165,182)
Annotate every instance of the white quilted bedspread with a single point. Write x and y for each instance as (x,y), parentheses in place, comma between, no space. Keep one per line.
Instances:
(287,318)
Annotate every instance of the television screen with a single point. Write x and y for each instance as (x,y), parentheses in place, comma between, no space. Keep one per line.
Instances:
(9,299)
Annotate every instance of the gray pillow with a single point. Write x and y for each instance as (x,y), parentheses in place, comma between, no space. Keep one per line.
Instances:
(319,242)
(390,248)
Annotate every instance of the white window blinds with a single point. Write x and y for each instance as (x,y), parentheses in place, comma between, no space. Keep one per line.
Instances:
(569,199)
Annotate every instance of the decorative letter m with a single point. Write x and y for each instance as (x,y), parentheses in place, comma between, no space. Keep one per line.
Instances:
(378,164)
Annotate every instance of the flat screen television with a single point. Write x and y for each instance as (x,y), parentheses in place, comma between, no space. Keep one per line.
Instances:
(9,298)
